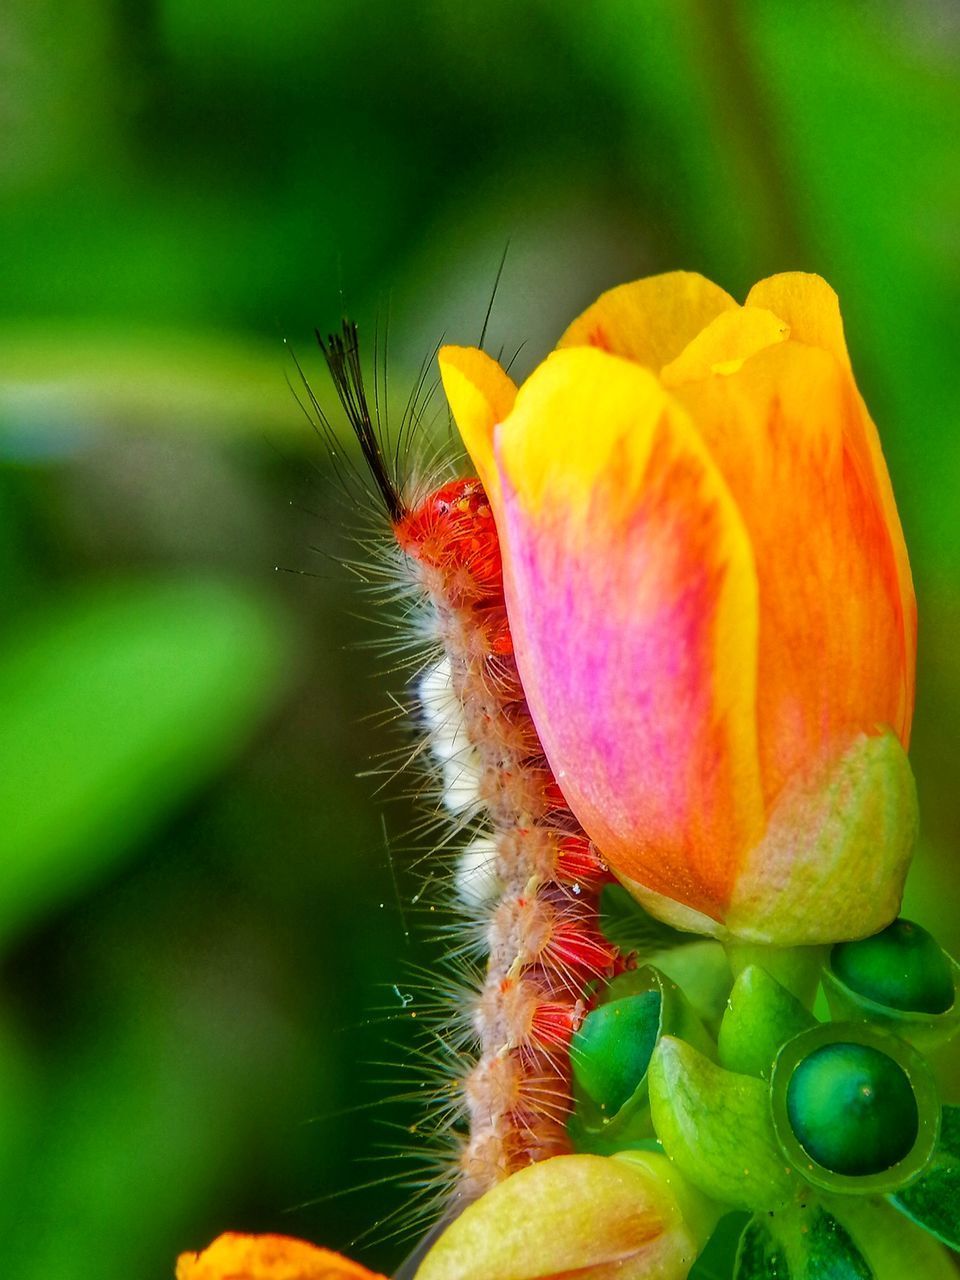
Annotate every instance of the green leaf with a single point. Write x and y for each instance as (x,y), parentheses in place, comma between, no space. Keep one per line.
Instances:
(761,1255)
(799,1245)
(626,923)
(117,702)
(831,1254)
(702,971)
(717,1128)
(717,1260)
(933,1201)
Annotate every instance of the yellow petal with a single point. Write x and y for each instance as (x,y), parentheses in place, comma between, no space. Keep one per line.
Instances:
(724,344)
(786,433)
(238,1257)
(649,321)
(627,1217)
(808,305)
(480,395)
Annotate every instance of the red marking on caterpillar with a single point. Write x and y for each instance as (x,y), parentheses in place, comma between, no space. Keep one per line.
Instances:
(530,879)
(578,862)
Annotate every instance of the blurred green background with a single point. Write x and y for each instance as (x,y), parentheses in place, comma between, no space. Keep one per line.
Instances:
(197,915)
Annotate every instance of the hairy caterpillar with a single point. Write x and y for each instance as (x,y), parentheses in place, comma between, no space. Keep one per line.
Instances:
(527,881)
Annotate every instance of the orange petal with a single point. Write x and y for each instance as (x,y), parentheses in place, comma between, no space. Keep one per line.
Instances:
(238,1257)
(649,321)
(834,648)
(632,599)
(812,310)
(480,395)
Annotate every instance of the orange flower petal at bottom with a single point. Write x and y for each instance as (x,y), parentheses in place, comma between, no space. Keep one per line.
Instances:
(238,1257)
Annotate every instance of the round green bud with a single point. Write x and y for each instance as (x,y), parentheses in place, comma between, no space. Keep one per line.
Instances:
(902,967)
(852,1109)
(611,1051)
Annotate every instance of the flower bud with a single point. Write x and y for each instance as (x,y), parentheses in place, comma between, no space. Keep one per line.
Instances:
(582,1215)
(902,966)
(854,1111)
(899,979)
(611,1052)
(761,1015)
(710,602)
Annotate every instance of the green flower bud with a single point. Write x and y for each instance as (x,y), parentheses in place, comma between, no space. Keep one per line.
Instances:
(760,1016)
(854,1110)
(611,1051)
(900,980)
(902,966)
(610,1055)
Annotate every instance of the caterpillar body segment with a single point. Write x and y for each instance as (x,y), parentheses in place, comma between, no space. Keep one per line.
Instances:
(530,875)
(527,880)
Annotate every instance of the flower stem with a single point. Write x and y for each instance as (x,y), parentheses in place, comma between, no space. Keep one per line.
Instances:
(796,968)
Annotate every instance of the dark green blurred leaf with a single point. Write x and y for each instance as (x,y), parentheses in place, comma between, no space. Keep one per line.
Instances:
(118,701)
(70,378)
(166,1099)
(699,152)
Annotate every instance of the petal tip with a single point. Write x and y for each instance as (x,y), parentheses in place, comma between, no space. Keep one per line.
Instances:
(480,396)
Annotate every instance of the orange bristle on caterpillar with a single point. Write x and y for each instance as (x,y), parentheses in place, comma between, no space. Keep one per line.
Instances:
(528,881)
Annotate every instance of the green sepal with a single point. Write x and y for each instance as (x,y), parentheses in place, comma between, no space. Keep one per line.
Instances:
(925,1031)
(834,856)
(717,1128)
(799,1245)
(761,1015)
(590,1127)
(933,1201)
(761,1255)
(798,1050)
